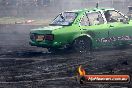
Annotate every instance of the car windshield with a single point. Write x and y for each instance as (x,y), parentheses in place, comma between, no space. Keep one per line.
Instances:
(65,18)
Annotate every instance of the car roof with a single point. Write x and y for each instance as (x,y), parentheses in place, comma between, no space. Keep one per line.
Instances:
(90,9)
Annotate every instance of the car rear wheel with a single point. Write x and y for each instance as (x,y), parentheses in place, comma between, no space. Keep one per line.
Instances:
(53,50)
(58,51)
(82,44)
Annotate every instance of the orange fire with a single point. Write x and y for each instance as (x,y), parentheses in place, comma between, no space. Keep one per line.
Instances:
(81,71)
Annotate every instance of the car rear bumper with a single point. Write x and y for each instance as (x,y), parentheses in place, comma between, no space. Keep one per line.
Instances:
(46,44)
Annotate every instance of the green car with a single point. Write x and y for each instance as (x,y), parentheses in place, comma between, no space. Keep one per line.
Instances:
(84,30)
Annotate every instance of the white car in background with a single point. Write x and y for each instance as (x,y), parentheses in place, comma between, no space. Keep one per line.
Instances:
(130,11)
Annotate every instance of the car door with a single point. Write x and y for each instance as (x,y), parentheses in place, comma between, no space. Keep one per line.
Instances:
(119,31)
(93,24)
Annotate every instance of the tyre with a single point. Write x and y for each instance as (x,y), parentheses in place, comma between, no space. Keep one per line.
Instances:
(53,50)
(82,44)
(57,51)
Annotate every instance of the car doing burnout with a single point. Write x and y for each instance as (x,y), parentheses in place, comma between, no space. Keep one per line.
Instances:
(84,30)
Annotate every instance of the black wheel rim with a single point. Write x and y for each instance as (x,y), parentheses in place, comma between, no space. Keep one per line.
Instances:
(82,45)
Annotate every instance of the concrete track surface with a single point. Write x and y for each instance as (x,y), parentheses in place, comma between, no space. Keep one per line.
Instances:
(24,66)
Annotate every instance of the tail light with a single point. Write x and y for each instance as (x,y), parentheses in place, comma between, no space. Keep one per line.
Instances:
(49,37)
(32,36)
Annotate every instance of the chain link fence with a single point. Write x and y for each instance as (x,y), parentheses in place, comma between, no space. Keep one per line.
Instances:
(50,8)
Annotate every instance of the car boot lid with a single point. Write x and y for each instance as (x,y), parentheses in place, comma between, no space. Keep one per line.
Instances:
(47,28)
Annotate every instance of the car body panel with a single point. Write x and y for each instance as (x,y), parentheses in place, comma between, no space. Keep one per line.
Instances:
(101,36)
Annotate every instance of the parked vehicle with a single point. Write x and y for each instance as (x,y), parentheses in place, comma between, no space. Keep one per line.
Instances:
(129,12)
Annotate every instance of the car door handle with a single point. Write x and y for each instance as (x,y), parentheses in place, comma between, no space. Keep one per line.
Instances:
(111,26)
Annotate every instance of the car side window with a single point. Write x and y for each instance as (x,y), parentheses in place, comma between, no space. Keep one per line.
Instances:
(84,21)
(113,16)
(95,18)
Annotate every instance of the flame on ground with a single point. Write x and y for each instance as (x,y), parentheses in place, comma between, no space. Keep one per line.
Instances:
(81,71)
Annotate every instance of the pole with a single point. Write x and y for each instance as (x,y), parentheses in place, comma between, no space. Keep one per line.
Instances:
(112,3)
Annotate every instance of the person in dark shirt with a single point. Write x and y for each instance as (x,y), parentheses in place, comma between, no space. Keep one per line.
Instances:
(109,17)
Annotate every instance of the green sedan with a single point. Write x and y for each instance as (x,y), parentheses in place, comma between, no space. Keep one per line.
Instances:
(84,30)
